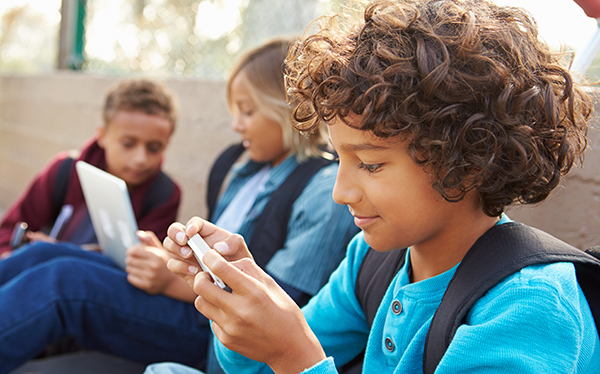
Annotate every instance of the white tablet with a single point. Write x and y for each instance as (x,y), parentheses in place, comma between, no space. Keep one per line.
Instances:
(110,209)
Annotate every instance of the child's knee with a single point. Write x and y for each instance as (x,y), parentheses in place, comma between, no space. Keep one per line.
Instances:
(70,277)
(35,253)
(170,368)
(47,250)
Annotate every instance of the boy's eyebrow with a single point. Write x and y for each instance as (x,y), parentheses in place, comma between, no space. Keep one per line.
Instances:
(361,147)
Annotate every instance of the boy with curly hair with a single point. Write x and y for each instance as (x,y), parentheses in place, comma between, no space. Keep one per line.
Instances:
(443,113)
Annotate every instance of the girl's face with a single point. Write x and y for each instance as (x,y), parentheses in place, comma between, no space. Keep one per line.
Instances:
(262,137)
(134,143)
(389,195)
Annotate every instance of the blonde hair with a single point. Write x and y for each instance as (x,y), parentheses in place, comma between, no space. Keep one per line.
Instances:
(263,69)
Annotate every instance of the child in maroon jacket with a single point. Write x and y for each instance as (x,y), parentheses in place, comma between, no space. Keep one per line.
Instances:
(139,118)
(53,292)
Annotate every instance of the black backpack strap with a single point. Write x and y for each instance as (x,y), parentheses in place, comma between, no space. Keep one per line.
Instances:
(159,192)
(270,230)
(588,277)
(217,175)
(374,276)
(61,183)
(501,251)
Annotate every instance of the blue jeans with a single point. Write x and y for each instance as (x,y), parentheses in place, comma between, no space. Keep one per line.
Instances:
(49,291)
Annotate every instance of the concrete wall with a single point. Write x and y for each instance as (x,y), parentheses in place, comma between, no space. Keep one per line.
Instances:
(572,211)
(41,115)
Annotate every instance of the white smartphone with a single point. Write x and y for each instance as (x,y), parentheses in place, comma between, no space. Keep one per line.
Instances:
(199,248)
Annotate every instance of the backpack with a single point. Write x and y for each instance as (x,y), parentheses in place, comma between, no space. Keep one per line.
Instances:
(61,182)
(501,251)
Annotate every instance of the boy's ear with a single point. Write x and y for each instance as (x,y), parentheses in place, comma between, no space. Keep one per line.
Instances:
(100,132)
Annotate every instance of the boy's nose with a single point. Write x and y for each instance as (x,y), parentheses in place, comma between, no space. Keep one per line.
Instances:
(140,155)
(345,191)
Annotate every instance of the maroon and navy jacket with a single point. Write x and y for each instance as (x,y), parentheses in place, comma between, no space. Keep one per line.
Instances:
(155,202)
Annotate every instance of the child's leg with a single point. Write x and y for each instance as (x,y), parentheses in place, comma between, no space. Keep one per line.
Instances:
(212,364)
(170,368)
(94,303)
(31,255)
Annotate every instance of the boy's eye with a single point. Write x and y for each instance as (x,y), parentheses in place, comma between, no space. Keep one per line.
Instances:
(127,144)
(371,168)
(154,148)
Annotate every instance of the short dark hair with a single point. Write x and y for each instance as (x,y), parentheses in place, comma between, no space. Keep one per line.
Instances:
(142,95)
(484,103)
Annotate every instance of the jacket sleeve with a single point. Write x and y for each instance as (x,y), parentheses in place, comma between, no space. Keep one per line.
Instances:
(319,231)
(159,218)
(34,205)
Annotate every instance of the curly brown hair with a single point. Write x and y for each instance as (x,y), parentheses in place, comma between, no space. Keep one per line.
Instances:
(485,104)
(142,94)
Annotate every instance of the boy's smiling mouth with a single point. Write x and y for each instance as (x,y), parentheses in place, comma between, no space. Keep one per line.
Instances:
(361,220)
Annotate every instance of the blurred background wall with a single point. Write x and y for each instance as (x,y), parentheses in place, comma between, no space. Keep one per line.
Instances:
(58,58)
(572,211)
(44,114)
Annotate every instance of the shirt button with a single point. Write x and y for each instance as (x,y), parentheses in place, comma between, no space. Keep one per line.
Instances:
(396,307)
(389,344)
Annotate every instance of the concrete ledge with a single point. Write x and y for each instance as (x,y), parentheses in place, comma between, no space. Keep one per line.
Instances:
(81,363)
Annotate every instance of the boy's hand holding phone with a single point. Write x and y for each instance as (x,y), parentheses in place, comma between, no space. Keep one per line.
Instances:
(284,340)
(230,246)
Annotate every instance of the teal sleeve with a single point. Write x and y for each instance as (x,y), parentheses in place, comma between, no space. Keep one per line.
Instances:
(324,367)
(333,314)
(233,362)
